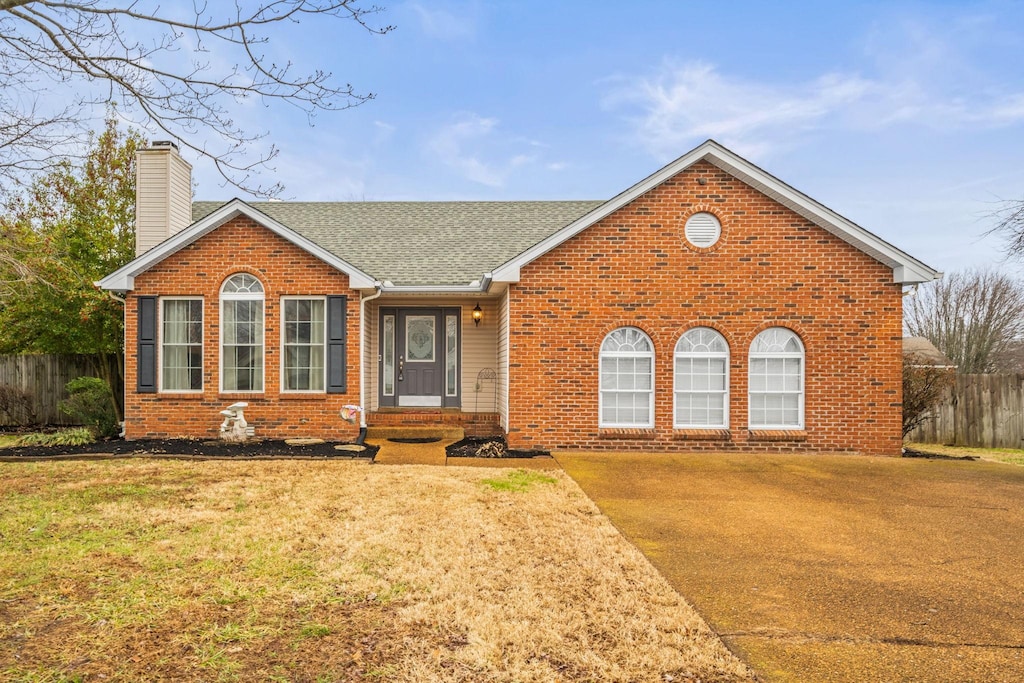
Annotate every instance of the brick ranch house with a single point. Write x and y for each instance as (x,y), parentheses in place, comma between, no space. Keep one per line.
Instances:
(709,306)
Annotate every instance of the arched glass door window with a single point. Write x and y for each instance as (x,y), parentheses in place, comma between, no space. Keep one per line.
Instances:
(627,379)
(777,380)
(702,380)
(241,334)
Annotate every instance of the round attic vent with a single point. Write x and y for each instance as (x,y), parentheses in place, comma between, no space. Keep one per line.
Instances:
(703,229)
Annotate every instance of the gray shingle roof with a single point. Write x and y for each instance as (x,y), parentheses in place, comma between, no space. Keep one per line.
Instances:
(421,243)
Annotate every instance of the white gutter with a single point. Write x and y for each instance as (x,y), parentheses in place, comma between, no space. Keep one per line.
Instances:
(362,350)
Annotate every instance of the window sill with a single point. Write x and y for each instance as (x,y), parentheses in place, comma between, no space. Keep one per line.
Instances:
(182,395)
(777,435)
(303,396)
(646,433)
(701,435)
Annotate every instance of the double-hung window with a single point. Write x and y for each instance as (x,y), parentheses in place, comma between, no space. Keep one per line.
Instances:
(304,341)
(702,380)
(627,379)
(241,334)
(181,344)
(776,380)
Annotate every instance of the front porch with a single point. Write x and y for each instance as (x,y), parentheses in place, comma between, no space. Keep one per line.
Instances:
(435,362)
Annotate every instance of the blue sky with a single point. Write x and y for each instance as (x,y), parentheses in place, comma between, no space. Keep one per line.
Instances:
(905,117)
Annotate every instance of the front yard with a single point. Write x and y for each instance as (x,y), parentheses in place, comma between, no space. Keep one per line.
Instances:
(332,571)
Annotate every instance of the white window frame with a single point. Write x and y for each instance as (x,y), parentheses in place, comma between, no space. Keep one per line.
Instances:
(242,296)
(160,345)
(676,391)
(801,393)
(323,343)
(602,355)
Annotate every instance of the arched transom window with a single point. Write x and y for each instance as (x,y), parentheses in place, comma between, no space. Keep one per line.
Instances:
(702,380)
(777,380)
(241,333)
(627,379)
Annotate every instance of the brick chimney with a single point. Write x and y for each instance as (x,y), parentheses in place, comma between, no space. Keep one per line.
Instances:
(163,194)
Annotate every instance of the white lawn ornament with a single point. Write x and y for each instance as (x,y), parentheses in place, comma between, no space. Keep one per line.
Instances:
(350,413)
(233,428)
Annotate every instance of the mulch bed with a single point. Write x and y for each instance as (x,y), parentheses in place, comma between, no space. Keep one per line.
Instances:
(200,448)
(908,453)
(489,447)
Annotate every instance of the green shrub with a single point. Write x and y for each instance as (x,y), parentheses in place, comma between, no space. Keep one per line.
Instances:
(91,403)
(65,437)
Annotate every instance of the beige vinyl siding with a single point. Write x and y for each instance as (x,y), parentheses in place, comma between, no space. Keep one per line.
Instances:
(501,347)
(370,354)
(164,196)
(479,355)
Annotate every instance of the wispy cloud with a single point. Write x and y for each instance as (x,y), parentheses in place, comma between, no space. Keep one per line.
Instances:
(447,23)
(475,146)
(681,103)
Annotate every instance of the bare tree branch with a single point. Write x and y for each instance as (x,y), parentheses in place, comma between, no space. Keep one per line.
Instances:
(1009,224)
(94,42)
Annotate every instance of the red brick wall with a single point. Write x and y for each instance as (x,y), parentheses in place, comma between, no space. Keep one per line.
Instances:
(199,270)
(770,268)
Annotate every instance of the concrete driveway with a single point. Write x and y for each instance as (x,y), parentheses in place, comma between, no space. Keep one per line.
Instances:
(833,568)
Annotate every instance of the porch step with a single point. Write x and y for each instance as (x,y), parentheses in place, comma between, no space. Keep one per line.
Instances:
(449,433)
(474,424)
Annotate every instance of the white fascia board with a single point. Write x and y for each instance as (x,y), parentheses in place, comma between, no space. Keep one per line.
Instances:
(122,280)
(434,289)
(906,269)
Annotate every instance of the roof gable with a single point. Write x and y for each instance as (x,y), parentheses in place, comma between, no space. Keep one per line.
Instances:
(123,279)
(906,269)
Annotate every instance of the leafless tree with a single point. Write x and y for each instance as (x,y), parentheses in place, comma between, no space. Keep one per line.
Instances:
(131,52)
(1009,224)
(973,317)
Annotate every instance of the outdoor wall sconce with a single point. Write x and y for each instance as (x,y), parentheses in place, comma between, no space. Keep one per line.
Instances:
(478,315)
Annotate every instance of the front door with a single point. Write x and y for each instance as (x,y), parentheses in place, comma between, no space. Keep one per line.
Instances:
(419,357)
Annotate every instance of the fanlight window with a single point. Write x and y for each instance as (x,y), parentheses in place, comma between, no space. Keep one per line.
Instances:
(702,380)
(241,335)
(777,380)
(627,379)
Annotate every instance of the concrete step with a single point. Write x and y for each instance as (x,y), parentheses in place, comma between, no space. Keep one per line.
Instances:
(447,433)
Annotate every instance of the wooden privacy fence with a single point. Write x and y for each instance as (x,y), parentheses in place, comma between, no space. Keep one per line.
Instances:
(984,411)
(44,376)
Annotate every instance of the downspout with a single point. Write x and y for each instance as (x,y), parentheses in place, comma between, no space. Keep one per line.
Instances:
(362,364)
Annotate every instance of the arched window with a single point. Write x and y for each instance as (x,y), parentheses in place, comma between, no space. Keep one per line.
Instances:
(241,334)
(777,380)
(702,380)
(627,379)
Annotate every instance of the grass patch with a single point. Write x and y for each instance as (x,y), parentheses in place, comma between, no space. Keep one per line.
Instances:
(8,440)
(1010,456)
(518,481)
(277,570)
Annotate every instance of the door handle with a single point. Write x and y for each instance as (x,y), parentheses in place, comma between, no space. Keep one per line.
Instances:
(401,367)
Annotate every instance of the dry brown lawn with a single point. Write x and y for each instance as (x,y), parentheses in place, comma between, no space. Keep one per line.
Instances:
(329,571)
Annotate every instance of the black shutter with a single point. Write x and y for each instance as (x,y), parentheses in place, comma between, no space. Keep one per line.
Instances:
(337,324)
(147,345)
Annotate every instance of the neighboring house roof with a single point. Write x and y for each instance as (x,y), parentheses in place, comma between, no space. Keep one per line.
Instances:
(421,243)
(923,351)
(459,246)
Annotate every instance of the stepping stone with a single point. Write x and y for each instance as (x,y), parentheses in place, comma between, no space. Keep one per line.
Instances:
(303,442)
(354,447)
